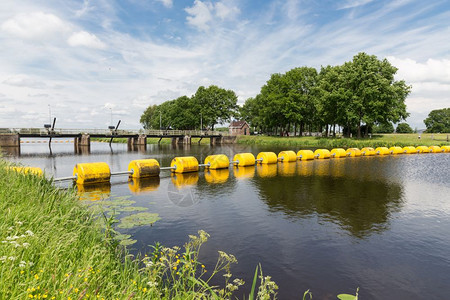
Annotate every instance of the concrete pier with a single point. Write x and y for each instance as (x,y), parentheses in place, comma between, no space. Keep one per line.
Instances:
(9,140)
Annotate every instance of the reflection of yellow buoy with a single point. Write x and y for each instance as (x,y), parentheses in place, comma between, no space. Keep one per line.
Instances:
(322,168)
(445,148)
(409,150)
(367,151)
(322,154)
(184,164)
(306,168)
(187,179)
(88,173)
(218,161)
(338,153)
(267,158)
(143,185)
(244,159)
(353,152)
(217,176)
(266,170)
(94,192)
(287,156)
(305,154)
(396,150)
(287,169)
(144,168)
(382,151)
(244,172)
(435,149)
(28,170)
(422,149)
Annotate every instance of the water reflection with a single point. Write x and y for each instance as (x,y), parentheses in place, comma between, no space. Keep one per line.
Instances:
(94,192)
(217,176)
(244,172)
(143,185)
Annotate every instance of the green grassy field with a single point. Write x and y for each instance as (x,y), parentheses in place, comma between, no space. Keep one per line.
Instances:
(387,140)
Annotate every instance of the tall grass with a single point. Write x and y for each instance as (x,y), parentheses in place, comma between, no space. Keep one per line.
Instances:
(53,247)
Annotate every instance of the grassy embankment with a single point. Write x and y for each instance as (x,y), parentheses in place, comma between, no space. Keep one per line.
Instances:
(53,247)
(386,140)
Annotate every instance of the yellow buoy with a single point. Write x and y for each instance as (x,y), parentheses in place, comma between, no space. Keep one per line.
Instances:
(144,168)
(244,172)
(367,151)
(322,154)
(143,185)
(87,173)
(352,152)
(409,150)
(435,149)
(184,164)
(28,170)
(422,149)
(244,159)
(382,151)
(218,161)
(287,156)
(217,176)
(338,153)
(445,148)
(266,170)
(396,150)
(267,158)
(305,155)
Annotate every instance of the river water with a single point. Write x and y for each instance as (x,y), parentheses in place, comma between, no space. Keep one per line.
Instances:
(378,223)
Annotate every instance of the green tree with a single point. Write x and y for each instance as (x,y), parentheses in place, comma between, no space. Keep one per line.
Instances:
(438,120)
(215,105)
(404,128)
(383,128)
(148,116)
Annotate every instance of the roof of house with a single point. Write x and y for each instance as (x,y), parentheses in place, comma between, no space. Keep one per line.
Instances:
(238,124)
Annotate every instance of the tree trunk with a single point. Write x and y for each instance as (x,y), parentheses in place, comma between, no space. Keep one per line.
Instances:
(359,129)
(326,130)
(366,134)
(301,128)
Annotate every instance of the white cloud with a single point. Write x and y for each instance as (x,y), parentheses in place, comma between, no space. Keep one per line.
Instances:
(353,3)
(34,26)
(226,10)
(166,3)
(25,81)
(437,70)
(85,39)
(200,15)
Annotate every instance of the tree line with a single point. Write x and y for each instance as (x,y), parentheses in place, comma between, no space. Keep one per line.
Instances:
(357,96)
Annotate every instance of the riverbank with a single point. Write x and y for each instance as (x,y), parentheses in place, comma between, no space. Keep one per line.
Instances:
(386,140)
(165,141)
(53,247)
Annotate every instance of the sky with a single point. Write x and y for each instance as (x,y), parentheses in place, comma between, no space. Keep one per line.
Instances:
(90,63)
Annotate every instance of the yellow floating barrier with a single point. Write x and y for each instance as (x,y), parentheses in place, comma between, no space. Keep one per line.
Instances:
(422,149)
(367,151)
(322,154)
(244,159)
(267,158)
(184,164)
(180,180)
(88,173)
(217,176)
(305,154)
(409,150)
(353,152)
(382,151)
(287,156)
(396,150)
(266,170)
(28,170)
(143,185)
(338,153)
(218,161)
(435,149)
(144,168)
(445,148)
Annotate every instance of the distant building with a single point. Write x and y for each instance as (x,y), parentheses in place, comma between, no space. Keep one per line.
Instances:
(239,128)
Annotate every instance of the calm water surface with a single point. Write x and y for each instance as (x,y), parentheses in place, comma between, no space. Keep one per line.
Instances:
(378,223)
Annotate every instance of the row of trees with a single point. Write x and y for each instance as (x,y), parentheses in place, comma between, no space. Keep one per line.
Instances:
(438,120)
(360,92)
(206,108)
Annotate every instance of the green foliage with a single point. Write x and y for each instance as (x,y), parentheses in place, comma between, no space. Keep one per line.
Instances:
(383,128)
(404,128)
(438,121)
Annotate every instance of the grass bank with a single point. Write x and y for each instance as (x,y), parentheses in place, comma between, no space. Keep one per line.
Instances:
(386,140)
(53,247)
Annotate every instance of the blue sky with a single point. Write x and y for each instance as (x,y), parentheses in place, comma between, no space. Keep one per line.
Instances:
(86,59)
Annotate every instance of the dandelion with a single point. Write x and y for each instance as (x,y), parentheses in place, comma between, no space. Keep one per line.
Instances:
(36,276)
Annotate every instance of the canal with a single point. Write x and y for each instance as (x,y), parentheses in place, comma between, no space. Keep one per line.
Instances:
(378,223)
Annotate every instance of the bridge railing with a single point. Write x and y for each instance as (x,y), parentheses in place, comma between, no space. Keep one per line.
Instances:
(44,131)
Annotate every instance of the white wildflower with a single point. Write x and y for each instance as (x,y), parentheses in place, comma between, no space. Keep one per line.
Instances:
(23,264)
(25,245)
(12,258)
(29,232)
(30,263)
(152,283)
(19,223)
(3,258)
